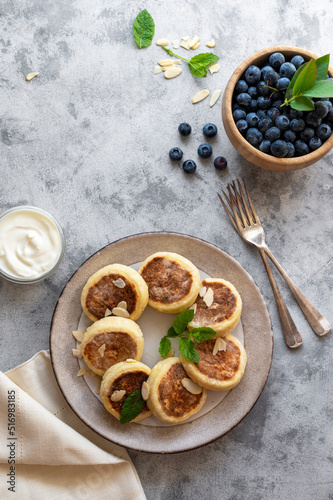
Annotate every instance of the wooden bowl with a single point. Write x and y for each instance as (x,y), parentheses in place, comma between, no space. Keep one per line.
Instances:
(249,152)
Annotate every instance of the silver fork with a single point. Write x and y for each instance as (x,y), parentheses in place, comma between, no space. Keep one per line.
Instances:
(247,224)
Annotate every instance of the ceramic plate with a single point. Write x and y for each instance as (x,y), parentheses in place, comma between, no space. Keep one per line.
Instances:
(222,417)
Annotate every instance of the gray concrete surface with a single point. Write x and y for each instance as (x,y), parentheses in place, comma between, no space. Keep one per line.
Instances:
(88,140)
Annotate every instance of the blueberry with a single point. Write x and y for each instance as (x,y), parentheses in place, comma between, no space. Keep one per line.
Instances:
(253,136)
(315,143)
(265,146)
(273,113)
(264,124)
(252,91)
(291,150)
(297,124)
(277,96)
(184,129)
(282,83)
(328,104)
(252,75)
(295,113)
(312,119)
(253,106)
(282,122)
(244,99)
(279,148)
(220,163)
(189,166)
(264,70)
(241,125)
(307,134)
(175,154)
(278,103)
(289,136)
(239,114)
(276,59)
(236,106)
(263,102)
(323,131)
(271,77)
(321,109)
(252,119)
(287,70)
(262,89)
(205,150)
(261,113)
(210,130)
(301,148)
(297,61)
(272,134)
(241,86)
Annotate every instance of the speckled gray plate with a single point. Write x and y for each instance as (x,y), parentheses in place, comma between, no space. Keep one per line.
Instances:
(257,334)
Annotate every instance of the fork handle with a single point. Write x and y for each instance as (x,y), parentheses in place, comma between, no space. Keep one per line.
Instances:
(291,334)
(318,323)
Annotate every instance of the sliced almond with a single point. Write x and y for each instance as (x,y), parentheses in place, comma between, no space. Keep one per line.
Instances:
(77,353)
(162,41)
(82,371)
(191,386)
(30,76)
(101,350)
(107,312)
(185,44)
(196,46)
(122,304)
(214,68)
(175,44)
(119,311)
(130,360)
(209,297)
(194,42)
(214,98)
(117,395)
(185,38)
(157,70)
(172,73)
(200,96)
(203,291)
(166,62)
(223,345)
(177,61)
(145,389)
(211,44)
(119,283)
(170,354)
(194,307)
(78,335)
(220,345)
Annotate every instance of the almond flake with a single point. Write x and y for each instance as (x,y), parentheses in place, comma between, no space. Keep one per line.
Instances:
(117,395)
(209,297)
(145,389)
(157,70)
(214,68)
(194,307)
(107,312)
(123,305)
(162,41)
(82,371)
(196,46)
(200,96)
(119,283)
(214,98)
(77,353)
(177,61)
(165,62)
(211,44)
(191,386)
(130,360)
(30,76)
(175,44)
(185,44)
(101,350)
(194,42)
(223,345)
(185,38)
(119,311)
(220,345)
(78,335)
(203,291)
(170,354)
(172,72)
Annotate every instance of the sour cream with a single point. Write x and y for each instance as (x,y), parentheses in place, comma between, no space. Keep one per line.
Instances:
(31,244)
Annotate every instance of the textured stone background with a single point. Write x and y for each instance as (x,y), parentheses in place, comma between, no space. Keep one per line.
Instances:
(88,140)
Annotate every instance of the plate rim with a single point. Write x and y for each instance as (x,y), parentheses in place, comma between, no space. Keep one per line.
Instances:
(121,442)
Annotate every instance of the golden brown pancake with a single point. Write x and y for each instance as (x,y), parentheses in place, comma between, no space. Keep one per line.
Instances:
(225,311)
(173,281)
(219,372)
(110,286)
(119,382)
(168,399)
(109,341)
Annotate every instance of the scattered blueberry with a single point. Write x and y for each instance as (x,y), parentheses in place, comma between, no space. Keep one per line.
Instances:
(210,130)
(287,70)
(189,166)
(323,131)
(297,61)
(175,154)
(205,150)
(220,163)
(252,75)
(279,148)
(276,59)
(315,143)
(254,136)
(184,129)
(265,146)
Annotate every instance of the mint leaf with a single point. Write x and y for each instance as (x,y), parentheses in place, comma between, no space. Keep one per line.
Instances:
(302,104)
(289,92)
(322,66)
(187,350)
(306,78)
(165,346)
(172,332)
(143,29)
(322,88)
(203,333)
(131,407)
(181,321)
(198,64)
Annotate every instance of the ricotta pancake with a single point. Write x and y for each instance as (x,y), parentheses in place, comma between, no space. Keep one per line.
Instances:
(169,399)
(217,370)
(109,341)
(218,306)
(113,285)
(119,382)
(173,281)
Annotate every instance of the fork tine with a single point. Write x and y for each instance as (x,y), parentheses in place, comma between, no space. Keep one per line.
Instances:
(250,216)
(234,206)
(246,222)
(251,204)
(226,209)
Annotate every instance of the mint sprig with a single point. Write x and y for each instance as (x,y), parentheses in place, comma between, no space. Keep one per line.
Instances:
(131,407)
(198,64)
(186,345)
(143,29)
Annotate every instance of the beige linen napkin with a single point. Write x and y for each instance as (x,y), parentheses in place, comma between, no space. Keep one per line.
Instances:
(46,452)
